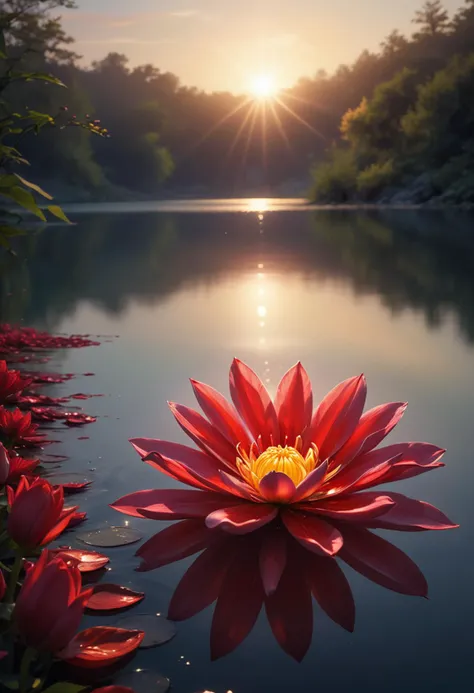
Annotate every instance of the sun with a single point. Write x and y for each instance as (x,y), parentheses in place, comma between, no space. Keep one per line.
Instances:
(263,86)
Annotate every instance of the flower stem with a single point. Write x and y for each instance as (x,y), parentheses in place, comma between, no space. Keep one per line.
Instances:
(14,575)
(28,658)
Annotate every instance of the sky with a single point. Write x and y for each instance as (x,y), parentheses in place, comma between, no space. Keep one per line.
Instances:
(224,45)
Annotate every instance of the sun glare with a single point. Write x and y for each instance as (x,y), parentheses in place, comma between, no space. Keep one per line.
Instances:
(263,87)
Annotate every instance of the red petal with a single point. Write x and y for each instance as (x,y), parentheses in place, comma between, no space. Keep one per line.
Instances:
(358,507)
(294,404)
(311,484)
(243,518)
(221,413)
(88,561)
(113,689)
(381,562)
(171,504)
(373,427)
(253,403)
(412,459)
(277,487)
(337,416)
(174,543)
(204,434)
(60,526)
(408,515)
(312,533)
(76,519)
(76,487)
(101,646)
(201,584)
(363,472)
(273,557)
(239,487)
(290,611)
(174,453)
(108,597)
(190,466)
(331,590)
(239,603)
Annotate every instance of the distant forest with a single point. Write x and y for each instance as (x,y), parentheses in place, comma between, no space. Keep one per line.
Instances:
(371,127)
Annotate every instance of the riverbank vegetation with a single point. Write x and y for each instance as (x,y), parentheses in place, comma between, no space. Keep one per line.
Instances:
(397,122)
(412,138)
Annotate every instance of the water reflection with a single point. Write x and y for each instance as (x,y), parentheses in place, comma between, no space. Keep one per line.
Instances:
(344,292)
(230,572)
(410,259)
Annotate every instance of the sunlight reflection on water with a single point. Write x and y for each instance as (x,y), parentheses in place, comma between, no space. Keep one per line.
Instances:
(246,205)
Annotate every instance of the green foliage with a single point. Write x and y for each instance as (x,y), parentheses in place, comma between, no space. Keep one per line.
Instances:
(375,178)
(442,121)
(16,190)
(335,180)
(374,128)
(408,128)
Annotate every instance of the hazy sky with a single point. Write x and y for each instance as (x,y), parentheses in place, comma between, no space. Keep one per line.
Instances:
(223,44)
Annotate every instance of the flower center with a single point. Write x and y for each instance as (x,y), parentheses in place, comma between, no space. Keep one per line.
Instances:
(286,459)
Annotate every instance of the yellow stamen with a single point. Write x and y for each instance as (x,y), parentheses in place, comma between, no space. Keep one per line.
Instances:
(287,460)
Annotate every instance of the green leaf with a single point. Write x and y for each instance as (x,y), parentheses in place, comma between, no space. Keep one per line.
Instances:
(8,181)
(64,687)
(3,47)
(56,211)
(25,199)
(33,186)
(9,232)
(42,76)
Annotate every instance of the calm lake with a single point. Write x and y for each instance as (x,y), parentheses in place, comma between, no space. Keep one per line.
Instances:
(177,290)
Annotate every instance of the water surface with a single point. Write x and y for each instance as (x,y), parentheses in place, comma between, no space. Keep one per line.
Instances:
(187,288)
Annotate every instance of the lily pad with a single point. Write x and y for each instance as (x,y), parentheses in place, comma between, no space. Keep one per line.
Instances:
(143,681)
(110,537)
(157,628)
(108,597)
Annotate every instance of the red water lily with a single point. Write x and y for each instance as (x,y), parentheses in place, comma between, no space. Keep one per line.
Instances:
(49,609)
(19,467)
(263,462)
(37,515)
(16,429)
(4,465)
(50,604)
(11,383)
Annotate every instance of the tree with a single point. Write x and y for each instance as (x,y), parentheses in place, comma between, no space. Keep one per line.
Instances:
(432,18)
(440,125)
(14,188)
(374,128)
(393,44)
(31,31)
